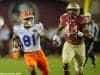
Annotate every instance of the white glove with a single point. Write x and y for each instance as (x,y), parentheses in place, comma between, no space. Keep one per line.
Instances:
(56,40)
(80,34)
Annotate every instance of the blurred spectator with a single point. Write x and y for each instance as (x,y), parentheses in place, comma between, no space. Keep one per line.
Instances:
(91,41)
(4,37)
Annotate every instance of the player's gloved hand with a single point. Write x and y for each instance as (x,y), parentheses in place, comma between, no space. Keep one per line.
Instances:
(56,40)
(80,34)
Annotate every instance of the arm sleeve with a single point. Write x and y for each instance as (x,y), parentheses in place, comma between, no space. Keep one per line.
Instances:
(15,29)
(14,39)
(62,20)
(15,42)
(96,34)
(40,28)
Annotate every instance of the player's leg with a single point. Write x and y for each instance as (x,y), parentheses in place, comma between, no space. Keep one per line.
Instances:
(67,55)
(66,69)
(33,72)
(78,65)
(87,47)
(93,58)
(30,62)
(79,58)
(42,62)
(86,58)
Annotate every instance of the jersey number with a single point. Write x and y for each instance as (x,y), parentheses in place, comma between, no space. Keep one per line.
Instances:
(27,40)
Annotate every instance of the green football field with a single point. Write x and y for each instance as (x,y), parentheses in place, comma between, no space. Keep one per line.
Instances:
(17,67)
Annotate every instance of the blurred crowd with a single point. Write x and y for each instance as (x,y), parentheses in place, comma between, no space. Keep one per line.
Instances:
(6,34)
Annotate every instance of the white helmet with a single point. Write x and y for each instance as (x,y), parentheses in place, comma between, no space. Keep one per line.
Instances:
(88,14)
(88,17)
(73,6)
(26,11)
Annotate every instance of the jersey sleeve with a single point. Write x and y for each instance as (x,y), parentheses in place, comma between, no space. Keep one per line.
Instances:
(15,28)
(63,20)
(82,22)
(40,28)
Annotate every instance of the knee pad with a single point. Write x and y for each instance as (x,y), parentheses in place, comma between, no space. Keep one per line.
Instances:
(79,69)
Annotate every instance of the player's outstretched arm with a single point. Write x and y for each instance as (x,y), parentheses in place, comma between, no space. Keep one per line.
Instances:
(56,38)
(59,29)
(42,32)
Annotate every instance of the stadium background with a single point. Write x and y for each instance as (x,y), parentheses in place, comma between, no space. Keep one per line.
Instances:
(49,11)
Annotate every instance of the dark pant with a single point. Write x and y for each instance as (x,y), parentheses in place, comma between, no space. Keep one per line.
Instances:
(90,53)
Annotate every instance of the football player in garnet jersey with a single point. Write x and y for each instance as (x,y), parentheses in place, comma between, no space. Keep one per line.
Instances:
(28,33)
(74,30)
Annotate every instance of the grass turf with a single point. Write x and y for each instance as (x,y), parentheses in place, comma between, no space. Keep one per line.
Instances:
(17,67)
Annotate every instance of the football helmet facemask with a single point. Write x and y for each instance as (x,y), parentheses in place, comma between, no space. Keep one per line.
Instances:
(26,15)
(73,8)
